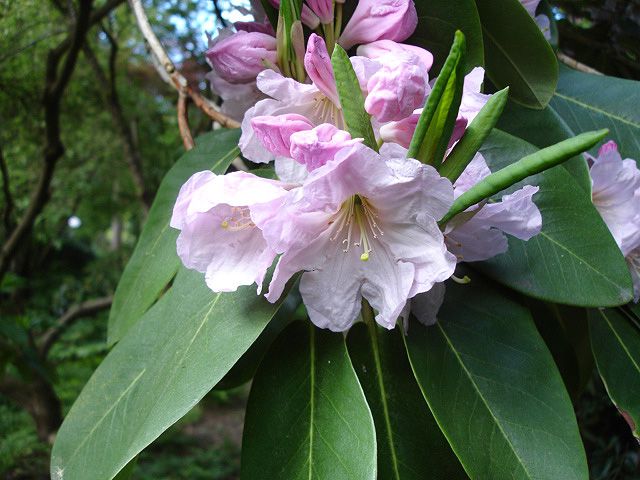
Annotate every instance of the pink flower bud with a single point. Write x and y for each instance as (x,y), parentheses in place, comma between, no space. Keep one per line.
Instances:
(275,132)
(260,27)
(240,57)
(382,47)
(380,20)
(323,9)
(316,147)
(307,16)
(402,132)
(318,65)
(398,88)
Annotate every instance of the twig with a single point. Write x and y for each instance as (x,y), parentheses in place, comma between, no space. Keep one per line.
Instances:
(84,309)
(567,60)
(178,81)
(8,198)
(183,121)
(55,85)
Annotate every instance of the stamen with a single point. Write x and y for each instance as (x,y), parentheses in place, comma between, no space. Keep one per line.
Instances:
(239,220)
(461,281)
(357,211)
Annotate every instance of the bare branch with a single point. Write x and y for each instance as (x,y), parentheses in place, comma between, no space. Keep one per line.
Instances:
(56,81)
(183,121)
(8,198)
(84,309)
(567,60)
(112,102)
(178,81)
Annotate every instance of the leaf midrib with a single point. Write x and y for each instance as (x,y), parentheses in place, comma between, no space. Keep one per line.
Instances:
(596,109)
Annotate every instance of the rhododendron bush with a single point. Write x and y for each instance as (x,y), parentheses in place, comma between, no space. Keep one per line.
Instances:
(429,220)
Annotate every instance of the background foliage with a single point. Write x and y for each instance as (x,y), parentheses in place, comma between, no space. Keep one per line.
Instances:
(120,133)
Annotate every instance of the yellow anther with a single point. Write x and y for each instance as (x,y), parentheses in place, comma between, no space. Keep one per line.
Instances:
(224,224)
(365,257)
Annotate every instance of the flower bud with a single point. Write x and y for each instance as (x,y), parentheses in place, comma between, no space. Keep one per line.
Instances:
(275,131)
(380,20)
(398,88)
(307,16)
(317,146)
(240,57)
(382,47)
(318,65)
(323,9)
(260,27)
(402,132)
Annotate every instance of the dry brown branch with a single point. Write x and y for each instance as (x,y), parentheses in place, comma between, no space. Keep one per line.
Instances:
(177,80)
(56,79)
(567,60)
(183,121)
(84,309)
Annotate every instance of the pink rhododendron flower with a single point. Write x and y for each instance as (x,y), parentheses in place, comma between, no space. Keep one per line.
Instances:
(261,27)
(380,20)
(380,48)
(616,195)
(275,132)
(317,63)
(323,9)
(542,20)
(307,16)
(478,233)
(239,57)
(217,235)
(362,225)
(314,148)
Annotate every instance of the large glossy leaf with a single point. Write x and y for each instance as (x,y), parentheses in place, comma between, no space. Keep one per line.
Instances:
(410,443)
(516,52)
(616,347)
(584,100)
(543,128)
(307,417)
(154,261)
(494,389)
(438,21)
(574,260)
(164,365)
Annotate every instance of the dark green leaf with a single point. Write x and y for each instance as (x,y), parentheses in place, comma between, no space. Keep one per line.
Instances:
(436,123)
(574,260)
(527,166)
(494,389)
(154,261)
(410,443)
(438,21)
(307,417)
(165,364)
(516,52)
(357,119)
(616,347)
(584,100)
(543,128)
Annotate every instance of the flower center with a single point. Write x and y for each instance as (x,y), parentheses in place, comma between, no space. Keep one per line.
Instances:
(357,213)
(239,219)
(328,112)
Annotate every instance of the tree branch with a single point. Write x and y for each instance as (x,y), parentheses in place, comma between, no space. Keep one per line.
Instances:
(112,102)
(84,309)
(55,84)
(177,80)
(183,121)
(8,199)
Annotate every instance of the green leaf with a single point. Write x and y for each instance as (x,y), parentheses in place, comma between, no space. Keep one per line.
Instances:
(525,167)
(474,136)
(616,347)
(516,52)
(164,365)
(307,417)
(584,100)
(154,261)
(410,443)
(543,128)
(574,260)
(494,389)
(357,119)
(436,123)
(438,21)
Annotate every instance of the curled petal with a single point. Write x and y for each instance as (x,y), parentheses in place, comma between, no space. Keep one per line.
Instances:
(275,131)
(317,146)
(318,65)
(380,20)
(380,48)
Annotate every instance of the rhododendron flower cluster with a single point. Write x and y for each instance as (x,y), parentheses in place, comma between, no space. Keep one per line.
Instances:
(359,222)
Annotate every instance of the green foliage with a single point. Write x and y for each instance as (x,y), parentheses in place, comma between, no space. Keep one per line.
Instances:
(307,416)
